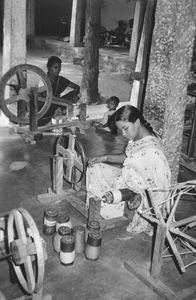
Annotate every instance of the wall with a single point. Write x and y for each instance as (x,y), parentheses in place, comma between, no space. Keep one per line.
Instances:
(116,10)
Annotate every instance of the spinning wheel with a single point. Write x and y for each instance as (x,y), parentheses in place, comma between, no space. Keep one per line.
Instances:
(73,158)
(178,234)
(25,245)
(15,89)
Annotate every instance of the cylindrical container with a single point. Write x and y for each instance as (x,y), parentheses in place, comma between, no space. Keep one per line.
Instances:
(93,245)
(116,196)
(92,226)
(62,231)
(57,120)
(79,233)
(63,220)
(50,216)
(67,251)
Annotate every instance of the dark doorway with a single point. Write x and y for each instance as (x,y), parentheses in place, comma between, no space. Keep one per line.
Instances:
(53,17)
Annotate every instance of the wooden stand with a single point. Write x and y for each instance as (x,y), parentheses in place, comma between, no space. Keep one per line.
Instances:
(76,198)
(34,133)
(167,230)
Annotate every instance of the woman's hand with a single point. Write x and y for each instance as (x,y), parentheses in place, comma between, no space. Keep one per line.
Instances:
(96,160)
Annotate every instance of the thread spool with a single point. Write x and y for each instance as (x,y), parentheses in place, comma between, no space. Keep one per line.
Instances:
(92,226)
(79,233)
(93,246)
(50,216)
(67,251)
(62,231)
(116,196)
(63,220)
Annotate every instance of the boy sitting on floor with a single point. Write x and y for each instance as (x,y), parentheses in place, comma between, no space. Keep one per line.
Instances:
(112,104)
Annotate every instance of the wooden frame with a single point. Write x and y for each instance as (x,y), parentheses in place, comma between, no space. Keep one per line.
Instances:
(167,230)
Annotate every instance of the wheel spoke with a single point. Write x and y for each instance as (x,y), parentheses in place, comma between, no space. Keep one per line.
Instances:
(42,89)
(61,150)
(22,80)
(79,165)
(12,100)
(20,226)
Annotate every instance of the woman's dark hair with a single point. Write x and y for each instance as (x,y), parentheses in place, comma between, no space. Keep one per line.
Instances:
(128,113)
(52,60)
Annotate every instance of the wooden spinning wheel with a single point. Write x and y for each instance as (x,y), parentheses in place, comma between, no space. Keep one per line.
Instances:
(73,157)
(26,248)
(15,89)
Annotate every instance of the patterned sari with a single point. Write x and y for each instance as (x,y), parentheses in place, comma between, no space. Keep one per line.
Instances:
(145,168)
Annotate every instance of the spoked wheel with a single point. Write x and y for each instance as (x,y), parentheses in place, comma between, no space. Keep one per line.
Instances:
(25,244)
(73,158)
(15,89)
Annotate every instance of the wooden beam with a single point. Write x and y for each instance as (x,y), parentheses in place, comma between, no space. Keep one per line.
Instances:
(137,92)
(158,250)
(156,285)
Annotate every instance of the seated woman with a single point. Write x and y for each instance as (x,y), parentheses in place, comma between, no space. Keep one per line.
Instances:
(59,85)
(145,166)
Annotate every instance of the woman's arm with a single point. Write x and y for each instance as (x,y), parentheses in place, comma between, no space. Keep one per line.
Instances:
(111,158)
(74,86)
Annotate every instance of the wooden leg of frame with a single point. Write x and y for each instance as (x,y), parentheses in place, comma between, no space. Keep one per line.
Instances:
(158,250)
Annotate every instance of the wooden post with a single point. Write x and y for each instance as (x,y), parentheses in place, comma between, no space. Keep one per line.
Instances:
(139,11)
(137,92)
(191,144)
(33,109)
(78,8)
(158,250)
(94,208)
(30,17)
(89,85)
(58,174)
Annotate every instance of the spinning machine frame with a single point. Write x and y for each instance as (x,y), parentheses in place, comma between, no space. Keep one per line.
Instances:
(19,101)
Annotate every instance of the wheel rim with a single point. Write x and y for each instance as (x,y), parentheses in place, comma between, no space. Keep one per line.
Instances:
(15,84)
(73,155)
(22,226)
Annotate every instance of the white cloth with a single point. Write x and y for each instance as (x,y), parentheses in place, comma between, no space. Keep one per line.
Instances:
(144,168)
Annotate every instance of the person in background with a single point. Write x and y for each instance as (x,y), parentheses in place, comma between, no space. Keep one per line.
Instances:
(60,86)
(128,33)
(112,104)
(144,167)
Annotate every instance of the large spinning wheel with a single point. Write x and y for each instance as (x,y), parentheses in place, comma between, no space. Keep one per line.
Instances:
(73,158)
(26,248)
(15,89)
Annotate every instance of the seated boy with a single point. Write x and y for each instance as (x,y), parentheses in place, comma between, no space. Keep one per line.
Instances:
(112,104)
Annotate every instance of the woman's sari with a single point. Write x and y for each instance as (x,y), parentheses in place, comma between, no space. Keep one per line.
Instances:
(145,168)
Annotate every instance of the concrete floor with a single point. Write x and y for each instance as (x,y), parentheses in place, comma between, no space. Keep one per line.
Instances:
(107,278)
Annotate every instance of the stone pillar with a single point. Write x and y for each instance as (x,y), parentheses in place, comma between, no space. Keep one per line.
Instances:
(14,33)
(78,13)
(169,73)
(30,17)
(14,38)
